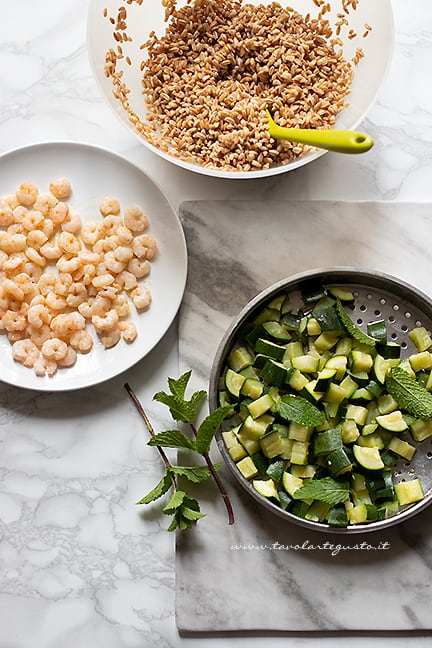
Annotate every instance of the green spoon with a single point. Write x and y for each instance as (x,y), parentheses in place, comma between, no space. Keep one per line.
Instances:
(340,141)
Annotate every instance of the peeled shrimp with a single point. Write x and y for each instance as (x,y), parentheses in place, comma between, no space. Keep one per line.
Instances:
(135,219)
(54,349)
(26,352)
(61,188)
(128,331)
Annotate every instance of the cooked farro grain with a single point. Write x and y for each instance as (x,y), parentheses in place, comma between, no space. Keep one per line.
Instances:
(220,63)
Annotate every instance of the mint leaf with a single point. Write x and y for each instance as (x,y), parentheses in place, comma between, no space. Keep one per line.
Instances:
(325,490)
(160,489)
(193,474)
(351,328)
(209,427)
(408,393)
(174,503)
(178,386)
(190,514)
(175,405)
(180,409)
(300,410)
(172,439)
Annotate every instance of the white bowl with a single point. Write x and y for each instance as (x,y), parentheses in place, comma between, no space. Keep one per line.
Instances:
(369,74)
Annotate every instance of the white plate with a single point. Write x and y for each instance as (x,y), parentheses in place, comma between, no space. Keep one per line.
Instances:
(369,75)
(96,173)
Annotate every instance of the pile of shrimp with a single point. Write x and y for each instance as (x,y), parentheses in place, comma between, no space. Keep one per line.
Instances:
(64,284)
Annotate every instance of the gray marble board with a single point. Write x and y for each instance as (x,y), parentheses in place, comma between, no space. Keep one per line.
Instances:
(263,575)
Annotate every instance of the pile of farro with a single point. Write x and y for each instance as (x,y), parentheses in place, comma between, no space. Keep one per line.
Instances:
(208,80)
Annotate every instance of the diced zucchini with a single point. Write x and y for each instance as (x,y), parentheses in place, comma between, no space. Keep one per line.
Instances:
(356,412)
(421,338)
(421,430)
(324,378)
(266,315)
(371,441)
(299,432)
(342,292)
(266,488)
(368,458)
(255,428)
(361,497)
(237,452)
(252,388)
(234,382)
(247,468)
(296,379)
(338,362)
(274,373)
(291,321)
(327,441)
(269,349)
(250,445)
(229,438)
(360,362)
(318,511)
(349,431)
(291,483)
(402,448)
(276,469)
(306,471)
(335,394)
(305,363)
(387,510)
(344,346)
(362,394)
(276,332)
(324,311)
(277,302)
(381,367)
(260,406)
(276,442)
(375,388)
(369,428)
(386,490)
(312,291)
(409,492)
(248,372)
(299,453)
(390,351)
(239,358)
(386,404)
(313,327)
(326,341)
(338,462)
(338,516)
(421,360)
(361,513)
(309,391)
(406,366)
(378,330)
(394,421)
(292,350)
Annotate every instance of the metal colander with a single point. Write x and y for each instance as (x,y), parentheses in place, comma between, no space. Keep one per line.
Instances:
(377,296)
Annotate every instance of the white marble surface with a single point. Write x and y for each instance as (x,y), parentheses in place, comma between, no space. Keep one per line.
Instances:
(80,565)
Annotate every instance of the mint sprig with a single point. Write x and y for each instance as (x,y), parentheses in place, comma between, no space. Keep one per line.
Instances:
(183,508)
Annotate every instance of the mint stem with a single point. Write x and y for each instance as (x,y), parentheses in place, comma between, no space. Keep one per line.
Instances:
(218,481)
(151,431)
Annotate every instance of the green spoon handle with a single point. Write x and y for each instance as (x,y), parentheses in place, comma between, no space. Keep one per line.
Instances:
(340,141)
